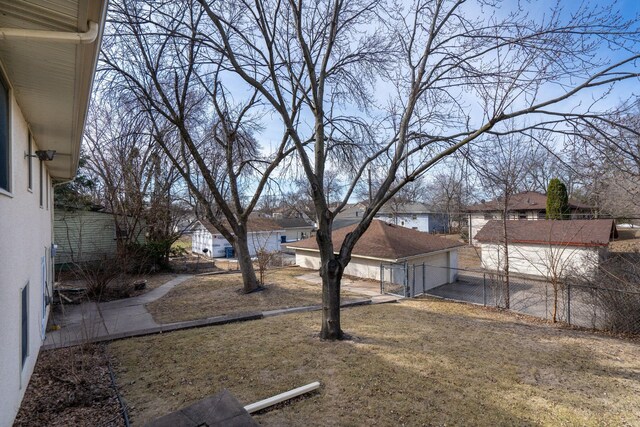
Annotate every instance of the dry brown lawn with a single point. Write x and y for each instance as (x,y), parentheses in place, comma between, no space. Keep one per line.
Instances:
(208,296)
(628,241)
(419,362)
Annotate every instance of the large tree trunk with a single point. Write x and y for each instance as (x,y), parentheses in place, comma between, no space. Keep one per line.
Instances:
(249,280)
(331,270)
(331,277)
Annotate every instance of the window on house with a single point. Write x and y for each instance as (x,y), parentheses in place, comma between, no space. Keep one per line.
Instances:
(121,232)
(5,151)
(542,215)
(41,184)
(45,291)
(30,160)
(414,217)
(522,215)
(24,329)
(47,189)
(488,216)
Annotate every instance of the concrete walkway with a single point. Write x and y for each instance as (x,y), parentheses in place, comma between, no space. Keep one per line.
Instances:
(92,322)
(369,288)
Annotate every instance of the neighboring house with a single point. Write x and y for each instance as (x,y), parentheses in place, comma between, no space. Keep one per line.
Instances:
(529,205)
(48,54)
(89,235)
(289,212)
(547,247)
(295,229)
(263,233)
(385,243)
(414,215)
(349,215)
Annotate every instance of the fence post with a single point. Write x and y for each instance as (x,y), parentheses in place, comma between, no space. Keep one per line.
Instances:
(381,279)
(484,289)
(424,278)
(569,302)
(405,279)
(413,281)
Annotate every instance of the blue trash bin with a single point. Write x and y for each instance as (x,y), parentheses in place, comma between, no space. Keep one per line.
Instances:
(229,252)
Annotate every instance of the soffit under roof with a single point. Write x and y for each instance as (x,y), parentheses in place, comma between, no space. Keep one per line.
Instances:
(50,80)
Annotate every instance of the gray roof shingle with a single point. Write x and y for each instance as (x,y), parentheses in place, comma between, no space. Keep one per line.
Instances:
(386,241)
(580,232)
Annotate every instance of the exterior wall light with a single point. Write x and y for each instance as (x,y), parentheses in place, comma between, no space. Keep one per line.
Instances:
(44,155)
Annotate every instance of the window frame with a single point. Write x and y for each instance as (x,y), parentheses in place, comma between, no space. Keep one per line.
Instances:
(24,331)
(4,84)
(41,184)
(47,188)
(30,160)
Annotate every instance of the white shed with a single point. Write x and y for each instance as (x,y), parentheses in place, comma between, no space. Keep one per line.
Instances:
(392,246)
(546,247)
(263,233)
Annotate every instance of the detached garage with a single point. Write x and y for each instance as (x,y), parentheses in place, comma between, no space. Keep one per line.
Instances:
(547,247)
(414,260)
(263,233)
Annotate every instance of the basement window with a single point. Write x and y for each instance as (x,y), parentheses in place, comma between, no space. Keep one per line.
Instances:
(24,329)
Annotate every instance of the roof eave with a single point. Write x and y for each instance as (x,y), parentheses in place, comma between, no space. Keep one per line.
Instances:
(541,242)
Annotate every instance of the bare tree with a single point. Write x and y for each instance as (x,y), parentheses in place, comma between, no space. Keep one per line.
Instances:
(502,169)
(156,52)
(454,76)
(132,180)
(608,165)
(449,192)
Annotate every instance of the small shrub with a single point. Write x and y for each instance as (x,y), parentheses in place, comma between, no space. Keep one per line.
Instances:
(615,289)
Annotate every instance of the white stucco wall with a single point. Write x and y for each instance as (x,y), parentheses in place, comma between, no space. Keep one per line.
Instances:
(420,222)
(308,259)
(439,268)
(298,233)
(25,242)
(202,238)
(541,260)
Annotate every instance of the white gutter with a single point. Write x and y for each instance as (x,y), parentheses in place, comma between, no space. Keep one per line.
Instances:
(51,36)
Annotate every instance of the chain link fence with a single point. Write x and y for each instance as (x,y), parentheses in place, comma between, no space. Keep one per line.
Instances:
(591,302)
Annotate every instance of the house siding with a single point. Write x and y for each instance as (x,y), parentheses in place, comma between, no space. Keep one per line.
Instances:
(536,259)
(25,258)
(298,233)
(427,222)
(440,268)
(216,244)
(83,236)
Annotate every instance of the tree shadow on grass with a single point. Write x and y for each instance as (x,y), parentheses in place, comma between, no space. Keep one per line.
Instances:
(409,364)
